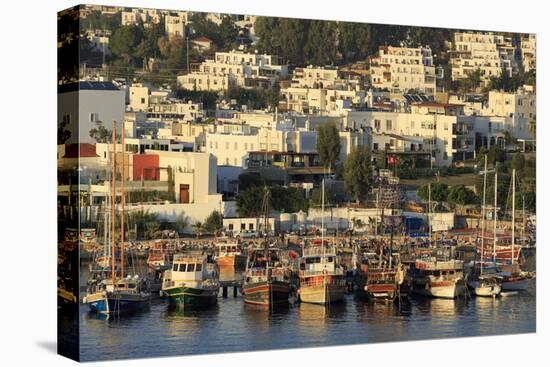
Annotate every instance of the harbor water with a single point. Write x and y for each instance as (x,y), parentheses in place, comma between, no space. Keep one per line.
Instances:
(232,326)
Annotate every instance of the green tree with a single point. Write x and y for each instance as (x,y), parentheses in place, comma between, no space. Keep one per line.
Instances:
(249,201)
(101,134)
(125,40)
(518,162)
(214,222)
(328,144)
(460,195)
(439,192)
(320,47)
(358,173)
(247,180)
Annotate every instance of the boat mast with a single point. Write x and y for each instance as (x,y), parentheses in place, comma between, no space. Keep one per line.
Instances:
(483,215)
(122,203)
(430,213)
(495,219)
(513,212)
(113,202)
(323,220)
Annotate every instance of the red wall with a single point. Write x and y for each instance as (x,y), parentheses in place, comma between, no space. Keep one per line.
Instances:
(148,165)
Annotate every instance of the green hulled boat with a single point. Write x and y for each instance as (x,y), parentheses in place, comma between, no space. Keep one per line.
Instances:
(192,281)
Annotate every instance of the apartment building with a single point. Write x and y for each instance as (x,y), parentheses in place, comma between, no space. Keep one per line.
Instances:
(235,69)
(518,109)
(314,77)
(445,131)
(528,46)
(174,24)
(322,100)
(400,69)
(489,52)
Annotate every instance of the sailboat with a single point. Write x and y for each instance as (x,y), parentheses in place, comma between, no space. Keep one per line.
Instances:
(117,294)
(485,285)
(513,278)
(267,282)
(321,278)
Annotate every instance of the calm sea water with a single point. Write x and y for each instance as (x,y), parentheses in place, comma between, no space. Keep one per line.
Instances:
(232,326)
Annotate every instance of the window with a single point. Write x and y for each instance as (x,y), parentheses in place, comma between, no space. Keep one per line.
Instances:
(388,124)
(143,101)
(375,146)
(198,267)
(243,226)
(377,124)
(251,226)
(93,117)
(175,267)
(190,268)
(236,145)
(230,226)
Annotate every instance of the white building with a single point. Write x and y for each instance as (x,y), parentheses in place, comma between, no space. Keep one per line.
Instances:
(518,109)
(447,133)
(314,77)
(174,24)
(400,69)
(489,52)
(235,69)
(89,105)
(529,52)
(321,100)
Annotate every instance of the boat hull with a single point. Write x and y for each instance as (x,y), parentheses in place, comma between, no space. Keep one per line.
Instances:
(110,303)
(445,289)
(515,284)
(322,293)
(381,292)
(482,289)
(189,296)
(266,293)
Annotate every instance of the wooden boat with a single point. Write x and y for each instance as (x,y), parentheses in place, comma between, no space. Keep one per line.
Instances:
(441,279)
(267,281)
(321,277)
(266,286)
(192,281)
(230,254)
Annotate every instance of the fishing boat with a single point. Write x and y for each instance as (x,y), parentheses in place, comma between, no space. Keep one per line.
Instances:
(321,277)
(380,281)
(267,281)
(381,275)
(230,254)
(441,279)
(193,280)
(119,293)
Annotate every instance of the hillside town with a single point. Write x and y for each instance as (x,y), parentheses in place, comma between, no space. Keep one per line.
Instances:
(199,134)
